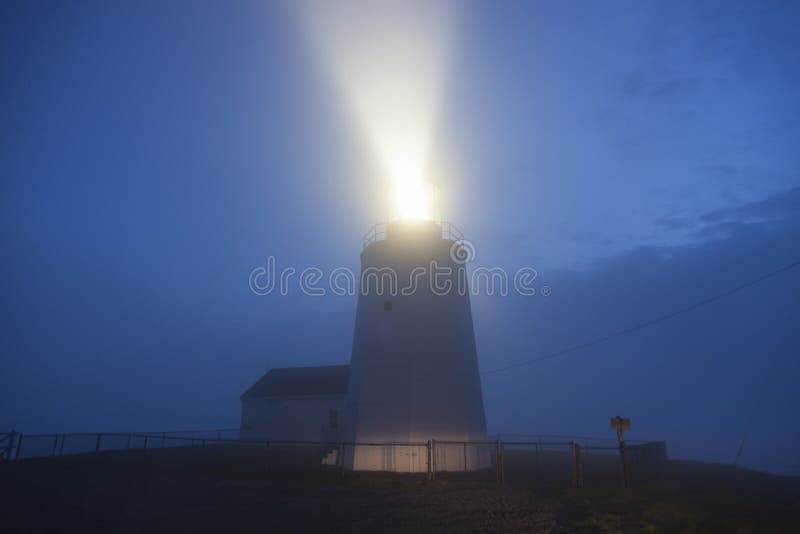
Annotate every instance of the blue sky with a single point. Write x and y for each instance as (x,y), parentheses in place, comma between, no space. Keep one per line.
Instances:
(640,155)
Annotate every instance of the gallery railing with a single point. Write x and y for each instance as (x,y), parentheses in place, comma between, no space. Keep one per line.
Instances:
(378,232)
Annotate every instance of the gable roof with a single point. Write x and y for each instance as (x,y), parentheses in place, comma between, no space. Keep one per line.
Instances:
(301,381)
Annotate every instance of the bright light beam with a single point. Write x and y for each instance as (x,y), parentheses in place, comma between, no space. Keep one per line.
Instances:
(388,61)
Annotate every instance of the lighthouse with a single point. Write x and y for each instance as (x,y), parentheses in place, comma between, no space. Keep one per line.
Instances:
(414,365)
(413,375)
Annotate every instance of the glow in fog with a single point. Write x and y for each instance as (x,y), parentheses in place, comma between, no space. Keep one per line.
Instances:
(388,60)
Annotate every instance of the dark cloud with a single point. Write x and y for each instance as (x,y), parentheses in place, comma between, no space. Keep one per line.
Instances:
(676,88)
(641,83)
(671,223)
(720,170)
(633,84)
(779,206)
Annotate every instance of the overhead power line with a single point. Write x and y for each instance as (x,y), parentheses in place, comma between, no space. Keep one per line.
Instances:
(645,324)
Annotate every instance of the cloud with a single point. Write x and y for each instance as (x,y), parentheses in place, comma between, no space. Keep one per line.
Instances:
(784,205)
(675,88)
(719,170)
(725,222)
(672,223)
(653,85)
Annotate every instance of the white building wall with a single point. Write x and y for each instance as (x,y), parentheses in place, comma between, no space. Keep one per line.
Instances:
(306,418)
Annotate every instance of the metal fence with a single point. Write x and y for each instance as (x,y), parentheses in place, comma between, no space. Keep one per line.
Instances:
(7,442)
(41,445)
(541,462)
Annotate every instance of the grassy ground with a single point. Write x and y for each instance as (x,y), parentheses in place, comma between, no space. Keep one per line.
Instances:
(219,489)
(691,497)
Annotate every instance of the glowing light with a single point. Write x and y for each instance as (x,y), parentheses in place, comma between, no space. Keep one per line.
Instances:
(414,200)
(387,60)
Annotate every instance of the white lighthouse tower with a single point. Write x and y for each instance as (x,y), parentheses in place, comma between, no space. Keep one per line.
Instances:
(414,367)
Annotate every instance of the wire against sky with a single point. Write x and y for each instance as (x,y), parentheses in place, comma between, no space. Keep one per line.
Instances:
(646,324)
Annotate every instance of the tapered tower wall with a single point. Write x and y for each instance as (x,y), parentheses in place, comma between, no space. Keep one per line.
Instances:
(414,366)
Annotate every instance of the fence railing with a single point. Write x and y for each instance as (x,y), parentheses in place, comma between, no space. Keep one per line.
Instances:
(68,443)
(546,462)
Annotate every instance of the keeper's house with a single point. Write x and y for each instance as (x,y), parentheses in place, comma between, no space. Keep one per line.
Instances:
(296,404)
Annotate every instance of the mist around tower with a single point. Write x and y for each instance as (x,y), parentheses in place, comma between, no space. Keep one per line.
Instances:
(439,279)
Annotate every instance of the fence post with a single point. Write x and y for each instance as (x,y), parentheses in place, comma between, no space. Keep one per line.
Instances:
(433,459)
(61,449)
(624,464)
(497,461)
(499,468)
(6,452)
(574,472)
(536,467)
(204,443)
(145,443)
(428,448)
(163,438)
(129,441)
(465,456)
(577,474)
(97,445)
(55,445)
(341,459)
(19,446)
(502,464)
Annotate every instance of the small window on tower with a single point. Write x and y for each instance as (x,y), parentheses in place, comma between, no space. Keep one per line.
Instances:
(387,305)
(333,418)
